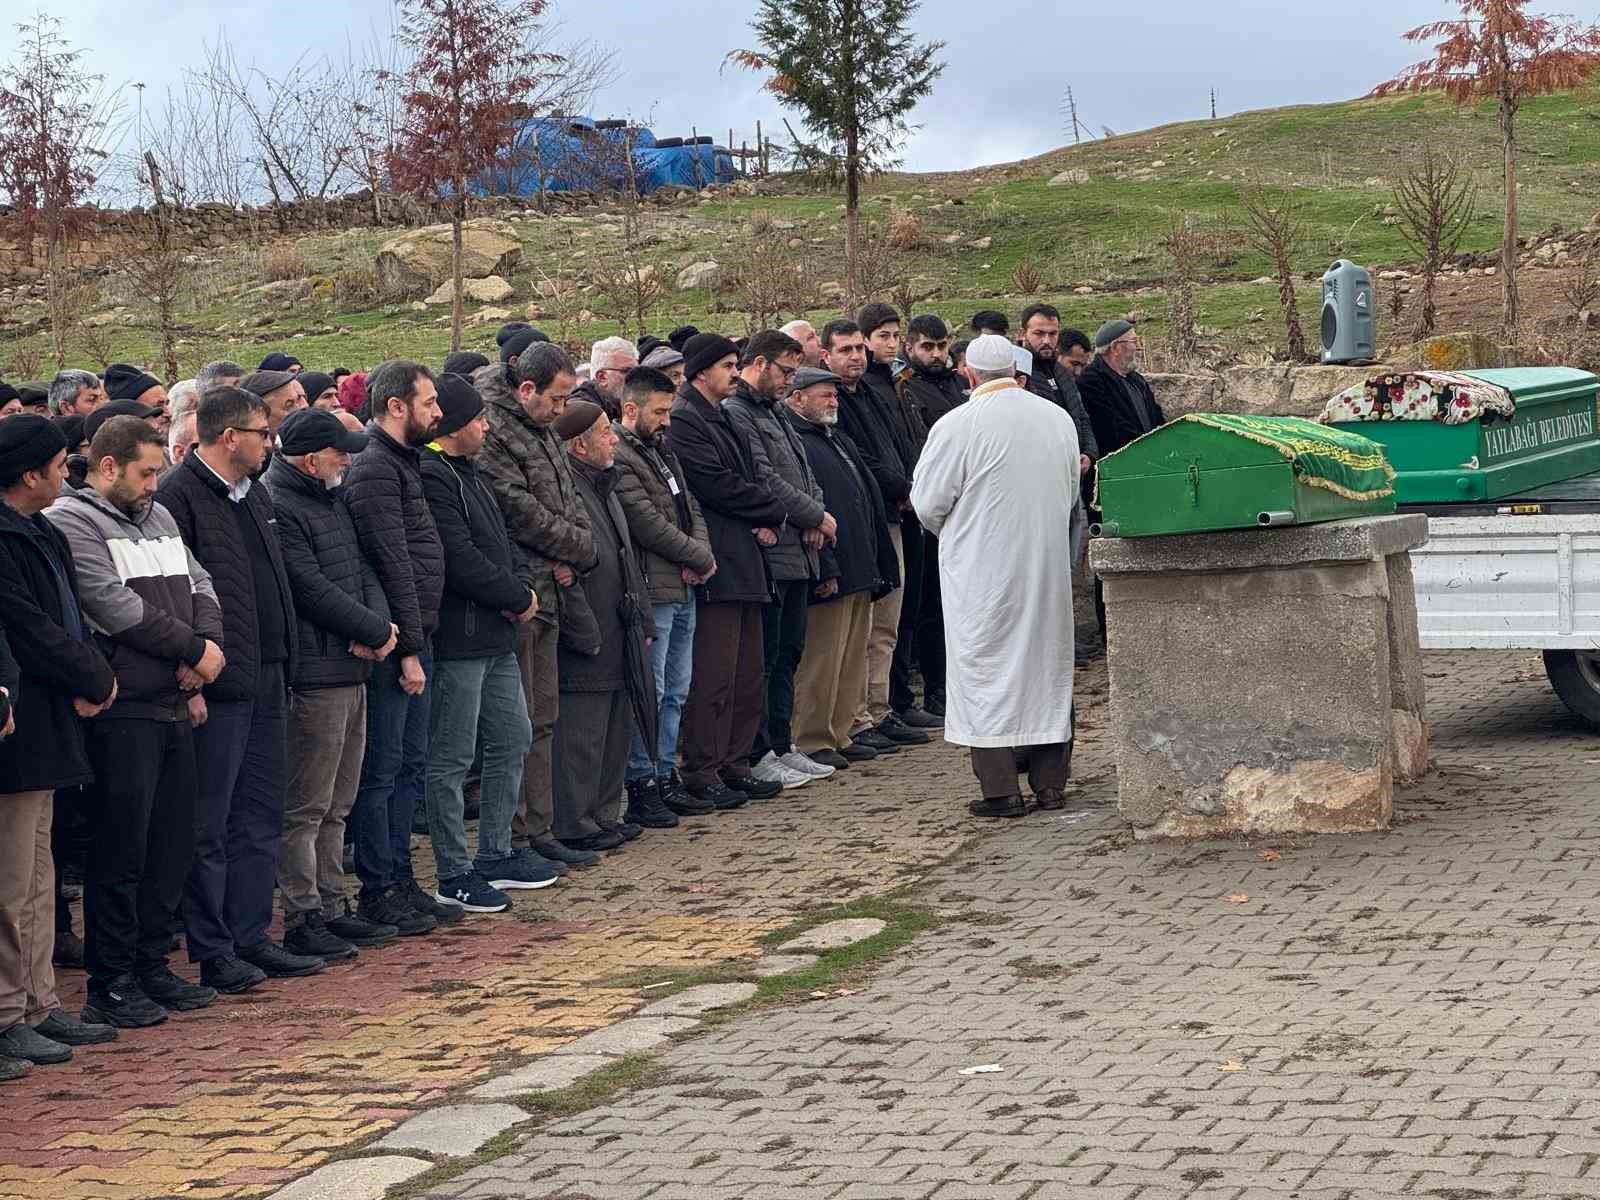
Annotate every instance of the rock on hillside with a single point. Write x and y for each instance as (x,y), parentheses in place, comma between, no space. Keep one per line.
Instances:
(419,260)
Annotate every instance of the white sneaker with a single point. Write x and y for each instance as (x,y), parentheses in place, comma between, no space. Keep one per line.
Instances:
(770,770)
(796,761)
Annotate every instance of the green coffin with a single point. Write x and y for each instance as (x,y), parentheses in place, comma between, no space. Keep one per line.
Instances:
(1551,438)
(1211,471)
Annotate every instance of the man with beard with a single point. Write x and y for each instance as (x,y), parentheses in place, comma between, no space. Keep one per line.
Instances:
(342,626)
(282,391)
(669,533)
(596,722)
(1053,379)
(1119,400)
(383,490)
(531,478)
(241,749)
(932,390)
(57,676)
(865,419)
(742,515)
(478,698)
(770,360)
(154,609)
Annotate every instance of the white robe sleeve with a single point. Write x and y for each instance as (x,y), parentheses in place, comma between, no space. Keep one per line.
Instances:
(939,477)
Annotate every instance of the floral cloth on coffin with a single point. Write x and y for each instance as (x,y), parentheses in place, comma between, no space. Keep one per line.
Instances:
(1419,396)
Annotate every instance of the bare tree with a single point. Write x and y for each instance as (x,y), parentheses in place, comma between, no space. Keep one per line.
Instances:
(157,268)
(374,86)
(766,278)
(1275,227)
(1436,202)
(1190,247)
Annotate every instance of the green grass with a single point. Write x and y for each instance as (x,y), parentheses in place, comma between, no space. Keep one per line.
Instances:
(1339,160)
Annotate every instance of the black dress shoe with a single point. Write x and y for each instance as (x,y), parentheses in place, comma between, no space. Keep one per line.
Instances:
(312,939)
(278,963)
(854,752)
(919,718)
(557,852)
(1050,799)
(998,806)
(832,758)
(121,1002)
(898,732)
(756,789)
(359,931)
(231,975)
(627,829)
(871,737)
(61,1027)
(592,842)
(175,993)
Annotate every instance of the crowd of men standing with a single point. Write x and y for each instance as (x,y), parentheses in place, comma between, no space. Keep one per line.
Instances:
(274,618)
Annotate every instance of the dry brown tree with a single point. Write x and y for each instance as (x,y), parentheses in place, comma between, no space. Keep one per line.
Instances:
(157,269)
(766,279)
(1190,246)
(1274,226)
(1497,50)
(1436,201)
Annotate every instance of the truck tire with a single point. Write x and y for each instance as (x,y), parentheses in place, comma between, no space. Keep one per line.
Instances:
(1576,677)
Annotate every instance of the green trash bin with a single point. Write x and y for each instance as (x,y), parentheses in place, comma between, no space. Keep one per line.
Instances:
(1549,437)
(1211,471)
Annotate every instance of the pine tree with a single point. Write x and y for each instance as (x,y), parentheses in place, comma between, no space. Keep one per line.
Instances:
(853,71)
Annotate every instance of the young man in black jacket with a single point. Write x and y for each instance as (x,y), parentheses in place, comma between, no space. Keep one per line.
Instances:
(477,685)
(383,490)
(242,749)
(342,626)
(54,675)
(742,516)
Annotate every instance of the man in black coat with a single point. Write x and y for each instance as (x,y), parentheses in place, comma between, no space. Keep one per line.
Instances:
(54,675)
(477,685)
(742,516)
(855,569)
(341,627)
(242,751)
(600,691)
(1052,378)
(383,490)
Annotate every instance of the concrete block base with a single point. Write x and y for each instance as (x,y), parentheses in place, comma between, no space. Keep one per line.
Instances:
(1264,681)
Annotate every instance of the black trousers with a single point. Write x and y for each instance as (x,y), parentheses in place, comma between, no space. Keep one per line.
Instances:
(905,647)
(142,820)
(783,640)
(997,768)
(930,625)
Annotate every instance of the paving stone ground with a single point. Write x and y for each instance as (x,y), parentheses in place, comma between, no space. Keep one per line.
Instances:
(1410,1013)
(1405,1013)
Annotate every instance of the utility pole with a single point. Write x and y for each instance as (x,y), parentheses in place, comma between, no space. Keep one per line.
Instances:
(1072,113)
(1213,104)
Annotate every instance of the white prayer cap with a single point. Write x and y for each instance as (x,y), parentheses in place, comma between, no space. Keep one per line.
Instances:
(991,352)
(1024,358)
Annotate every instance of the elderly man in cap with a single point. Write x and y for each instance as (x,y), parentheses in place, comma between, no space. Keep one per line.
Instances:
(997,483)
(477,699)
(10,400)
(532,480)
(600,686)
(668,361)
(229,526)
(342,626)
(282,392)
(154,417)
(1120,401)
(742,515)
(321,391)
(853,569)
(57,676)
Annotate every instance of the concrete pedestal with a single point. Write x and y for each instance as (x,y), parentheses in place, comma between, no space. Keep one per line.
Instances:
(1264,680)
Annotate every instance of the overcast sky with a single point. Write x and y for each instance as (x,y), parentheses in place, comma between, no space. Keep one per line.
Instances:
(998,100)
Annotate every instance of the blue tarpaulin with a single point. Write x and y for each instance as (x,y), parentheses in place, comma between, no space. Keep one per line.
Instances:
(580,154)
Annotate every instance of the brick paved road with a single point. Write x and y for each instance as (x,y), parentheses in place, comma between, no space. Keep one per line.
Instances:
(1407,1014)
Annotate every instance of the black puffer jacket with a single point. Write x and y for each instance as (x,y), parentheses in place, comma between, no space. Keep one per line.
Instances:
(863,558)
(383,490)
(482,574)
(337,599)
(722,477)
(864,419)
(666,536)
(198,501)
(780,460)
(46,750)
(905,427)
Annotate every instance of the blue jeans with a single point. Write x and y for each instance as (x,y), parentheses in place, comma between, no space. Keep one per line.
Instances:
(393,774)
(473,697)
(672,660)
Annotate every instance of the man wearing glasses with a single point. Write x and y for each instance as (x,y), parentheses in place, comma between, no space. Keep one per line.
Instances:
(228,525)
(770,360)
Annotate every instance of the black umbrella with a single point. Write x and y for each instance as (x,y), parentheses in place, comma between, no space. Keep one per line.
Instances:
(639,676)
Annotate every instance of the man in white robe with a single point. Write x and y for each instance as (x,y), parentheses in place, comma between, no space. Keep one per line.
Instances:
(996,483)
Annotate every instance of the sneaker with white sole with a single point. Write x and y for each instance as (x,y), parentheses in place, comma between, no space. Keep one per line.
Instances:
(797,761)
(770,770)
(472,893)
(523,871)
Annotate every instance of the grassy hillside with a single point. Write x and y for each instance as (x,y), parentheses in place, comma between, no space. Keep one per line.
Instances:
(1093,244)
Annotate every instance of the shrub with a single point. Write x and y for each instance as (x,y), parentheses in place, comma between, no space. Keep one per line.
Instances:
(283,261)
